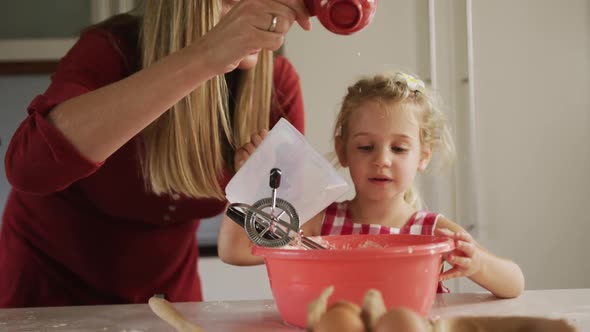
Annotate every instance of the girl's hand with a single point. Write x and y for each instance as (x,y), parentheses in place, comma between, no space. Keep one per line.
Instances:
(466,258)
(243,30)
(243,153)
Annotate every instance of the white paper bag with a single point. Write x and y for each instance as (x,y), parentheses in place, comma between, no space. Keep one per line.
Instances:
(309,182)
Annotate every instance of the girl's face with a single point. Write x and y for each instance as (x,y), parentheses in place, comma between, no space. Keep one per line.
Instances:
(249,61)
(382,150)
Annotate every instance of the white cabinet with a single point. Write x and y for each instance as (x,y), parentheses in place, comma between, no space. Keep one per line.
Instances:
(223,282)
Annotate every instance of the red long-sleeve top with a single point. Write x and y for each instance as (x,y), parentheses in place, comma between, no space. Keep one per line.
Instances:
(75,232)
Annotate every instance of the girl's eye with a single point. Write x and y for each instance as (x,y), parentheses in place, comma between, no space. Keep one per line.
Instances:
(399,149)
(367,148)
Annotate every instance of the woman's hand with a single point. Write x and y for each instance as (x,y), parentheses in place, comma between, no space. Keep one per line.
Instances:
(244,29)
(466,258)
(243,153)
(233,245)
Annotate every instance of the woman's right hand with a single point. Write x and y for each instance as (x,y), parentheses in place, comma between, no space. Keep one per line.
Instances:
(244,30)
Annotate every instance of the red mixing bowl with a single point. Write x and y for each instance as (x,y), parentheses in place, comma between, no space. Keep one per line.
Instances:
(404,268)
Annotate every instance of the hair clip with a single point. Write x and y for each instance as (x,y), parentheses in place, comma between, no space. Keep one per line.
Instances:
(410,81)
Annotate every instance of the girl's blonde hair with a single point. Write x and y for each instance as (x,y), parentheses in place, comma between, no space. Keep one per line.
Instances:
(187,149)
(389,89)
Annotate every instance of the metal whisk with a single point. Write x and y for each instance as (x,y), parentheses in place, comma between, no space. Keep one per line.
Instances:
(270,229)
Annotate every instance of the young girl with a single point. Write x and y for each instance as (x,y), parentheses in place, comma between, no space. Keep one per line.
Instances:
(387,130)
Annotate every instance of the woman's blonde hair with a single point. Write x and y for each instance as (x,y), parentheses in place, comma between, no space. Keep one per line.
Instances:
(188,148)
(389,89)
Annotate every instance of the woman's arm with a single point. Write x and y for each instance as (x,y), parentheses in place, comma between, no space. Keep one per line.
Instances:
(502,277)
(233,245)
(126,107)
(84,117)
(93,107)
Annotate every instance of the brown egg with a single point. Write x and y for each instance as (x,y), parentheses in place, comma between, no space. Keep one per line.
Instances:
(341,316)
(402,320)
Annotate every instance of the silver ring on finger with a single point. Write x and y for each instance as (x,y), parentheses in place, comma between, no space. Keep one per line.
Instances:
(273,24)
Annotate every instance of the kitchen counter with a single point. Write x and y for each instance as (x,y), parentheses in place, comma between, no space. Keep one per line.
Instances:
(262,315)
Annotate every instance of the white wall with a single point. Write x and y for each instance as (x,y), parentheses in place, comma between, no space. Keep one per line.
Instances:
(533,105)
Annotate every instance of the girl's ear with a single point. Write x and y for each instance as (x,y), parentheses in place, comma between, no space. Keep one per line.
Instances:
(340,148)
(424,158)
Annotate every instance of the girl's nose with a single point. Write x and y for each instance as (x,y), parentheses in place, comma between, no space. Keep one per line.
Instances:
(383,158)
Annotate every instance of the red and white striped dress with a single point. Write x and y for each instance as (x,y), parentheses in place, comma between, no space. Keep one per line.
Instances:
(338,221)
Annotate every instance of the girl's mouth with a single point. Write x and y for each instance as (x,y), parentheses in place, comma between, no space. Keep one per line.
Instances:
(380,179)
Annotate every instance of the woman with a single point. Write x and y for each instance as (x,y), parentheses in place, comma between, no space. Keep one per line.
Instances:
(133,143)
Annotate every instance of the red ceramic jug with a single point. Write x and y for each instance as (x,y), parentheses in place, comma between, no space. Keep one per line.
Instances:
(343,17)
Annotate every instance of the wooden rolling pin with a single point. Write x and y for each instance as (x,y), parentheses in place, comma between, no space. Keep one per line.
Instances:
(167,312)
